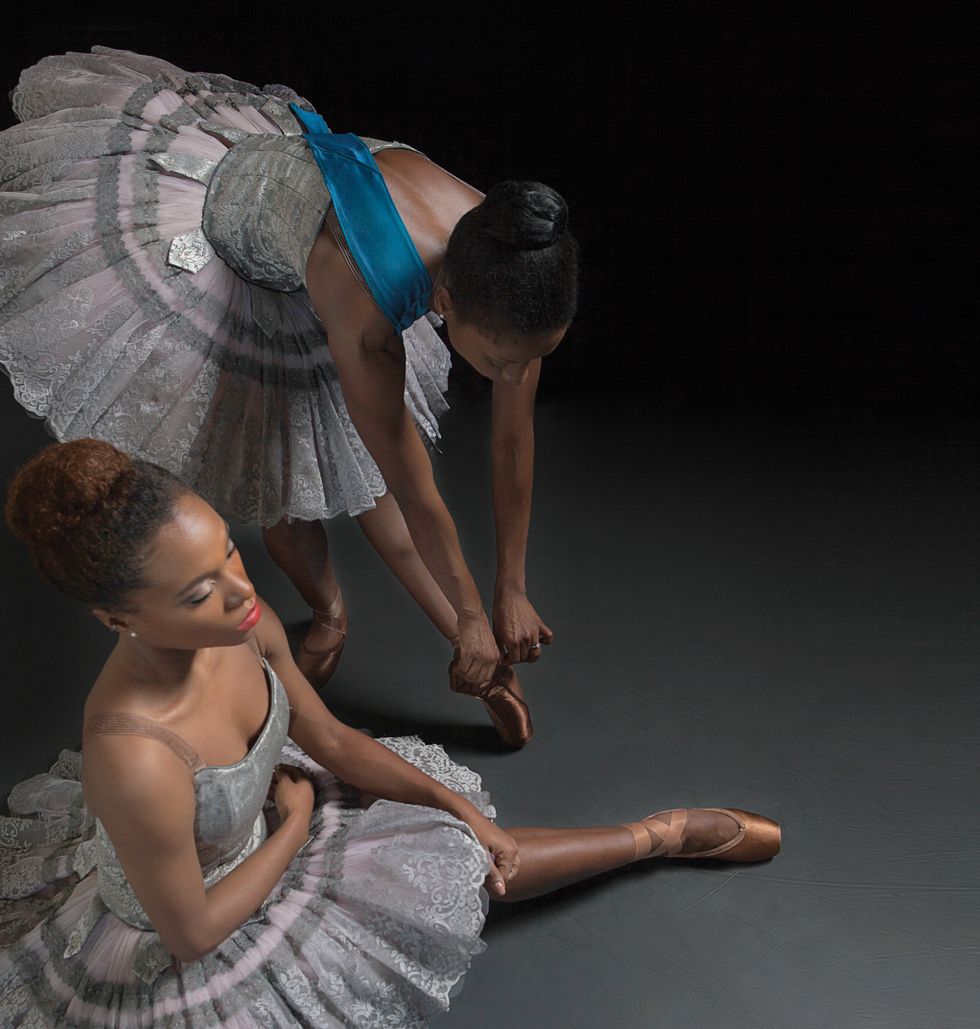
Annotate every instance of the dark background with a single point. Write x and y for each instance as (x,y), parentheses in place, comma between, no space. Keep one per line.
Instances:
(768,195)
(755,500)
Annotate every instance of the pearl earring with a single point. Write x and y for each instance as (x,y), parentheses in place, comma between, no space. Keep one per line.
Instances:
(133,634)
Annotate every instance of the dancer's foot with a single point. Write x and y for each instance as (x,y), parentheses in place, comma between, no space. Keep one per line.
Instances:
(319,654)
(504,700)
(724,834)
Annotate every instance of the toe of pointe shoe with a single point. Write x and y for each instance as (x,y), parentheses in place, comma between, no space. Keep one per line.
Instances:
(761,839)
(318,668)
(508,709)
(504,700)
(512,722)
(319,664)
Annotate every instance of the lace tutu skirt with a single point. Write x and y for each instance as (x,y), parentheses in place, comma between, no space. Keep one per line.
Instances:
(373,924)
(229,385)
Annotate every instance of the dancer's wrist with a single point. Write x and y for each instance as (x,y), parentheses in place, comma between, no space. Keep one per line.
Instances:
(457,806)
(296,828)
(509,586)
(467,615)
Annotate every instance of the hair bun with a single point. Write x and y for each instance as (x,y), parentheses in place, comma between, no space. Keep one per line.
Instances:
(523,215)
(63,485)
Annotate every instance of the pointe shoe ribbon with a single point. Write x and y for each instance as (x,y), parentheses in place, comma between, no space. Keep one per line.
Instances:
(758,838)
(502,697)
(326,621)
(319,665)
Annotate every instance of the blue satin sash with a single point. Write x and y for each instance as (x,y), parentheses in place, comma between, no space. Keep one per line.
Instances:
(373,229)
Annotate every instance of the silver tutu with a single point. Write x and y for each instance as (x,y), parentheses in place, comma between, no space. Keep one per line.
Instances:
(373,924)
(121,314)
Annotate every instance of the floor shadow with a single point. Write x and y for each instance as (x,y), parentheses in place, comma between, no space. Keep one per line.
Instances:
(482,739)
(505,916)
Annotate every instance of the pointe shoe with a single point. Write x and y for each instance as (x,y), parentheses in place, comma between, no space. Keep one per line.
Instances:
(319,665)
(504,700)
(757,839)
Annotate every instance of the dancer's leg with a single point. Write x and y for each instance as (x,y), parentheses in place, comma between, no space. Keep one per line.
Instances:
(302,552)
(385,528)
(552,858)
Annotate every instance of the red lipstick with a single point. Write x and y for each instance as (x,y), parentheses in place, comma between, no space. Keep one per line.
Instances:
(251,619)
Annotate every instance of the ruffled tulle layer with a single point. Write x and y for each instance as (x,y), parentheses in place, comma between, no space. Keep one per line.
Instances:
(373,924)
(229,385)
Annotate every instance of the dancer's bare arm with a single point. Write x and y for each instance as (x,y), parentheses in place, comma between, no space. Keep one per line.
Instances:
(370,361)
(366,764)
(516,624)
(144,796)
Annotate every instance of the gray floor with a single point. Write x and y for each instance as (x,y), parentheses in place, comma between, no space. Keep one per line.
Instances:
(772,612)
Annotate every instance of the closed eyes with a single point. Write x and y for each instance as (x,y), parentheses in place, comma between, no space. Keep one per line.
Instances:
(195,601)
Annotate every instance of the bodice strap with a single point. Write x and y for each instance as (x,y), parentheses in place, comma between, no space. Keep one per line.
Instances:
(113,723)
(376,236)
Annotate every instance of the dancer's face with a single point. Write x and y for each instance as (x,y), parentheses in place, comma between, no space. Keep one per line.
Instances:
(501,358)
(197,593)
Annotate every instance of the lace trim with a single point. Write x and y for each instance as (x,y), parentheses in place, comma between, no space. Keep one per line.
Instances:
(171,367)
(118,724)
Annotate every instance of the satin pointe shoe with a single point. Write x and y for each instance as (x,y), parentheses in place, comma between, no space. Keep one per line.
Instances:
(319,664)
(504,700)
(755,837)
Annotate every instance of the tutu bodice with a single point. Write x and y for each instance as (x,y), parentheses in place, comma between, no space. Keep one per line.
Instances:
(265,205)
(228,800)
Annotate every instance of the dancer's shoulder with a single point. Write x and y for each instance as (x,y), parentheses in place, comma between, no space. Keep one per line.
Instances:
(269,637)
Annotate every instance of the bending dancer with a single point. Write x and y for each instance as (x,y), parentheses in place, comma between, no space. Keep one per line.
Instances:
(213,905)
(182,247)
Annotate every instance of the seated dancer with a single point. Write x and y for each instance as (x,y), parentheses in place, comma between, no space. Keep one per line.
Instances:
(180,250)
(225,858)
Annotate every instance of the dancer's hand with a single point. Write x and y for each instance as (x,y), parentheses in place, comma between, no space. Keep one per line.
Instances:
(476,651)
(518,628)
(503,851)
(292,790)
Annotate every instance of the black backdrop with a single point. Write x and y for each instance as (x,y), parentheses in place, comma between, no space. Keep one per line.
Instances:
(766,193)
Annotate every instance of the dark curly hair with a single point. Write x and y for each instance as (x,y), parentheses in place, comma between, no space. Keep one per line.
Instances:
(512,264)
(86,511)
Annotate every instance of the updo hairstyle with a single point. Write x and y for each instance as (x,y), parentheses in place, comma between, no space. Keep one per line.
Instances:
(511,263)
(86,512)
